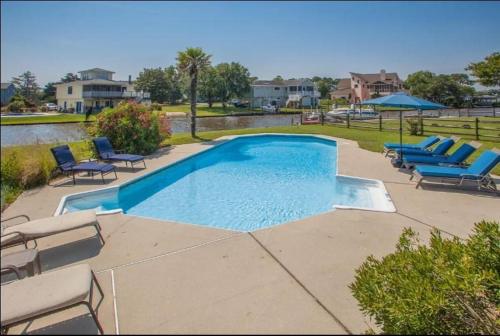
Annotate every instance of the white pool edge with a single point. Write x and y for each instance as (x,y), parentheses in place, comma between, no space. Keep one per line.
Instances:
(391,208)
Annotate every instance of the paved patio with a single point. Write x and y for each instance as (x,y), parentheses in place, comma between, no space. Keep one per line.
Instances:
(165,277)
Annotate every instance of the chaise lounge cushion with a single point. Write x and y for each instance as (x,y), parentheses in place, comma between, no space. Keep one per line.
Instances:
(437,171)
(51,225)
(126,157)
(44,293)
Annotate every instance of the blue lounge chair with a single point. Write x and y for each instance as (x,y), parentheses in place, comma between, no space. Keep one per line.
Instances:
(107,153)
(477,172)
(67,164)
(440,149)
(429,141)
(456,159)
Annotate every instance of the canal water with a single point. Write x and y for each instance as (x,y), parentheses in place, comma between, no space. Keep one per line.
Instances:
(61,133)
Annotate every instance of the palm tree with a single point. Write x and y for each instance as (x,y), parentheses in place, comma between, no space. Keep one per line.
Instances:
(192,61)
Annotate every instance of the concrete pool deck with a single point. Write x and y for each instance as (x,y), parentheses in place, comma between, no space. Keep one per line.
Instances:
(165,277)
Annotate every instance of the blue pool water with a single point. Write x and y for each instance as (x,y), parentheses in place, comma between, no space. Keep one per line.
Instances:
(245,184)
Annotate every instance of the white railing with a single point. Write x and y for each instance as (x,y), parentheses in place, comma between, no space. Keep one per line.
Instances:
(115,94)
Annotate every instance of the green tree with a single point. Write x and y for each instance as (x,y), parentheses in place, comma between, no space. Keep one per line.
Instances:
(155,82)
(69,77)
(210,85)
(27,86)
(278,79)
(192,62)
(49,92)
(452,90)
(325,85)
(235,81)
(488,71)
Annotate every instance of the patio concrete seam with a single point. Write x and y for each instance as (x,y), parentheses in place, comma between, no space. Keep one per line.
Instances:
(332,315)
(428,225)
(115,305)
(185,249)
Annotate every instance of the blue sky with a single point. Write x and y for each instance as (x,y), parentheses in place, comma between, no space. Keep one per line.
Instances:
(292,39)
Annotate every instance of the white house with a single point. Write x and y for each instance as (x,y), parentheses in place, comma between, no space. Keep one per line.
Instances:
(95,90)
(293,92)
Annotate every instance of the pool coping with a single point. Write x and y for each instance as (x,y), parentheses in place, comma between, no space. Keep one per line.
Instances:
(225,139)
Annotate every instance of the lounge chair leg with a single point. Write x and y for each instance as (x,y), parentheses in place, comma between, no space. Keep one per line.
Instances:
(74,180)
(100,235)
(102,177)
(94,317)
(116,176)
(144,162)
(97,284)
(418,183)
(411,177)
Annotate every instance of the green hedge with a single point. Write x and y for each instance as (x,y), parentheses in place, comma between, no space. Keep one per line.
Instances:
(448,287)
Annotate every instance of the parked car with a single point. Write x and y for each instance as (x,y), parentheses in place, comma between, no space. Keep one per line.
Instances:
(51,107)
(241,104)
(268,108)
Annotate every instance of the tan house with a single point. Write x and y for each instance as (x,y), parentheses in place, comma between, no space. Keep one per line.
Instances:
(292,92)
(361,87)
(95,90)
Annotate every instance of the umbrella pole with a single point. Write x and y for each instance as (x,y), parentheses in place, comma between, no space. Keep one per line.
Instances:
(401,135)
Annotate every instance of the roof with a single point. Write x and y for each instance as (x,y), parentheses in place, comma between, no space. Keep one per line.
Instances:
(5,86)
(344,83)
(97,69)
(96,81)
(370,78)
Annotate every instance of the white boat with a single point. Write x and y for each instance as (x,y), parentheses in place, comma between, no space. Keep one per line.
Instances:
(344,111)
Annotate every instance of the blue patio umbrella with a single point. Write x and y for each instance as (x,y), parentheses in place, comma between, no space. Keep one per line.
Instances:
(403,100)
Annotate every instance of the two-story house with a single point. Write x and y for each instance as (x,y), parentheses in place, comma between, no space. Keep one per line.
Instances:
(293,92)
(361,87)
(95,90)
(8,91)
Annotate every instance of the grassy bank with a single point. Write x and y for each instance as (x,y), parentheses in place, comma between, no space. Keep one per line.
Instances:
(46,119)
(25,167)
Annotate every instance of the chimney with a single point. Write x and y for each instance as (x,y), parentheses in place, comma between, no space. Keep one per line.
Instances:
(382,75)
(129,79)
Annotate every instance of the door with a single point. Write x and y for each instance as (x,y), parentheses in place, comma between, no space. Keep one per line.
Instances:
(78,107)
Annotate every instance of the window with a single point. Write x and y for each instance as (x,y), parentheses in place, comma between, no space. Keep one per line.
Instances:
(292,88)
(70,90)
(355,86)
(309,88)
(300,88)
(276,88)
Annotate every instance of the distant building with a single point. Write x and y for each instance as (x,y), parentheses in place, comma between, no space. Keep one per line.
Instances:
(8,91)
(95,90)
(361,87)
(293,92)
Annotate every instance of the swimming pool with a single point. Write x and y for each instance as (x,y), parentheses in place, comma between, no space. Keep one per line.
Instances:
(245,184)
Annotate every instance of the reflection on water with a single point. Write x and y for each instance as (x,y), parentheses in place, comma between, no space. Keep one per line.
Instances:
(47,133)
(60,133)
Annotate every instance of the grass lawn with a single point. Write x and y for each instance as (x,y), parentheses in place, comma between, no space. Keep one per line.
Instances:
(46,119)
(202,109)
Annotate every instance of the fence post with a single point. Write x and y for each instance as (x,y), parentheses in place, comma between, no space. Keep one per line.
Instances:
(421,124)
(380,122)
(348,120)
(477,128)
(322,116)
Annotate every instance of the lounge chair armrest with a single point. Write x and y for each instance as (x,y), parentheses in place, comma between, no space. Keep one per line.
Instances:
(12,268)
(88,160)
(23,216)
(459,165)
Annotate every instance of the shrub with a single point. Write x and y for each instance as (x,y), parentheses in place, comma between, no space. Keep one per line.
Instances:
(16,106)
(43,108)
(131,127)
(448,287)
(413,126)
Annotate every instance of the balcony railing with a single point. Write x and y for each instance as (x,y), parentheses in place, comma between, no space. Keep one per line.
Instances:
(115,94)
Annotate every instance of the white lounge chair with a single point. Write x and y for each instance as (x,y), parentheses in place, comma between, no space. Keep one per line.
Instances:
(39,228)
(34,297)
